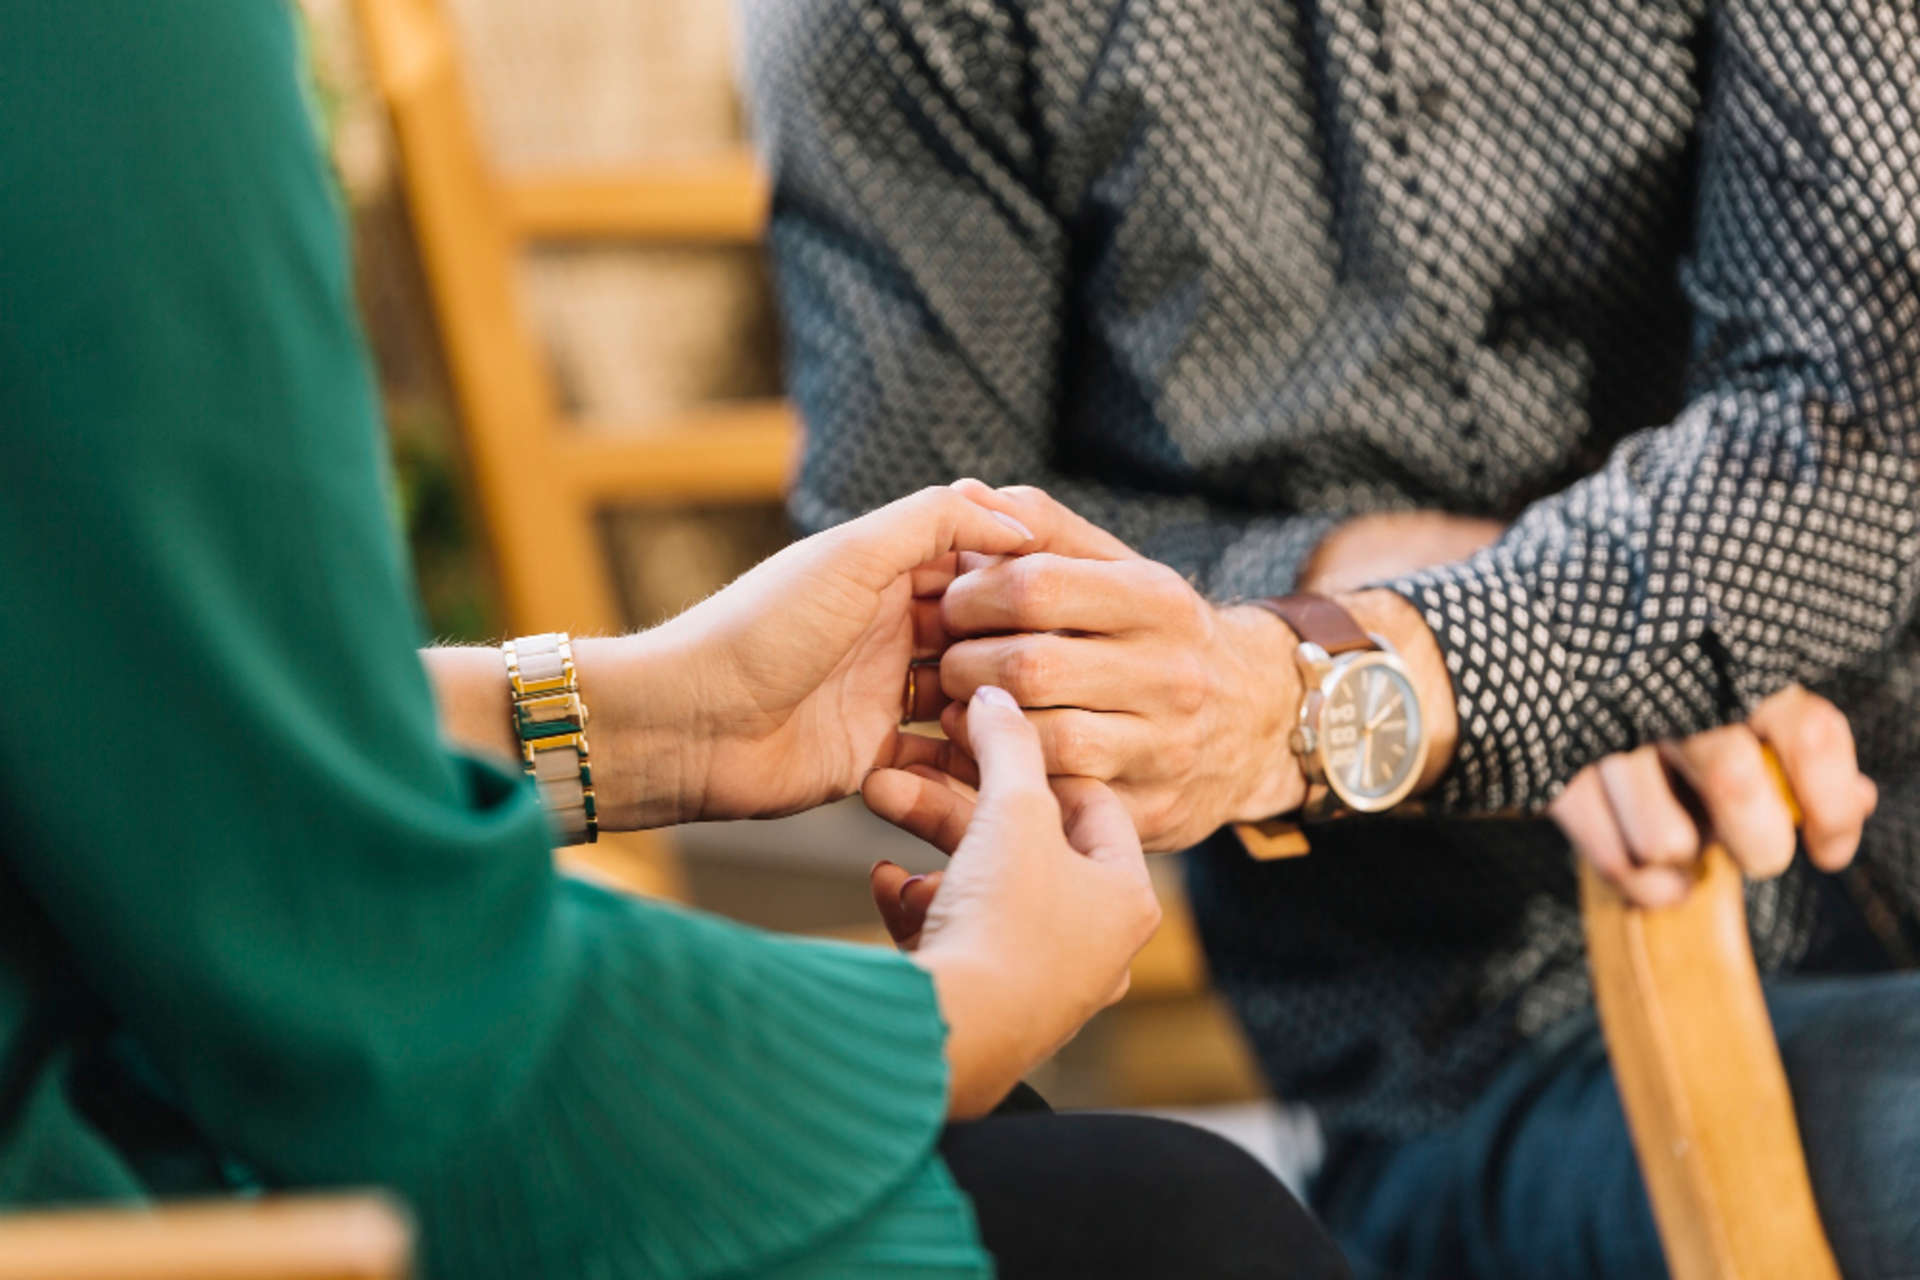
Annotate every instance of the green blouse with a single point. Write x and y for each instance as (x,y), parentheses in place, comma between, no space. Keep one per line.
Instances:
(258,927)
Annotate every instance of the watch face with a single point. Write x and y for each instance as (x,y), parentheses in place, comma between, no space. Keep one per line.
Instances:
(1371,731)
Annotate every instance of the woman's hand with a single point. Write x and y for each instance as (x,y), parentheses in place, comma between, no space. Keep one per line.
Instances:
(784,690)
(1030,930)
(1642,818)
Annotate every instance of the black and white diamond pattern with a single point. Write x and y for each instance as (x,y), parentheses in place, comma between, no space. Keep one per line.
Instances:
(1643,278)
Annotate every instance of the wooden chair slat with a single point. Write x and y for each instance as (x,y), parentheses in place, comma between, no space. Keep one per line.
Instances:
(1701,1080)
(723,199)
(342,1238)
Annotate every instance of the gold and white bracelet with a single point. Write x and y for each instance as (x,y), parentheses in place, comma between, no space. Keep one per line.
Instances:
(550,721)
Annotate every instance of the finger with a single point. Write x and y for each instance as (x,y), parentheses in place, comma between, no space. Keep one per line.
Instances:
(920,529)
(916,899)
(886,880)
(1056,527)
(1097,824)
(941,756)
(1588,820)
(1042,670)
(930,635)
(921,805)
(935,576)
(1044,592)
(1102,745)
(1640,794)
(974,562)
(1815,747)
(1007,748)
(1743,804)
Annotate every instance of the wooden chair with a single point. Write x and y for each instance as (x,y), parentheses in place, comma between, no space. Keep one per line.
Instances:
(346,1238)
(542,480)
(1700,1076)
(1698,1070)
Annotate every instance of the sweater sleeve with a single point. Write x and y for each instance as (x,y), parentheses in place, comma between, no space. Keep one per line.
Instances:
(1771,533)
(928,286)
(344,948)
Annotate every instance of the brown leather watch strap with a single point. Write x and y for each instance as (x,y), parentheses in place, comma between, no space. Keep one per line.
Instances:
(1320,621)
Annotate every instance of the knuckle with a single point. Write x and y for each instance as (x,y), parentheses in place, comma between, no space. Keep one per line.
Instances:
(1028,671)
(1821,729)
(1669,841)
(1076,747)
(1166,585)
(1735,780)
(1189,685)
(1031,587)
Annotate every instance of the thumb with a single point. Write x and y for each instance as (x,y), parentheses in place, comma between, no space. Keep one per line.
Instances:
(1097,823)
(1013,771)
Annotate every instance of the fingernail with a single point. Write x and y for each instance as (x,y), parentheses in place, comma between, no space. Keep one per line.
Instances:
(908,884)
(994,696)
(1014,525)
(884,862)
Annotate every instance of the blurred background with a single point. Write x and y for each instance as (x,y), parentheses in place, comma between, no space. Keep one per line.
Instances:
(643,320)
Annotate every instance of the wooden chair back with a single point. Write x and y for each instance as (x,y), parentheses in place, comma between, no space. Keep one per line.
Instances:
(347,1238)
(542,481)
(1700,1076)
(1698,1070)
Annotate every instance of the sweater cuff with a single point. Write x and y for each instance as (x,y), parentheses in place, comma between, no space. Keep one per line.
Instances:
(720,1102)
(1511,691)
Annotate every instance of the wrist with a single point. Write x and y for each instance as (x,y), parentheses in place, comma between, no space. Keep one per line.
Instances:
(1271,780)
(990,1045)
(652,747)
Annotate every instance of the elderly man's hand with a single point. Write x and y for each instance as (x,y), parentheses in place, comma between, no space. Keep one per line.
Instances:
(1130,676)
(1643,817)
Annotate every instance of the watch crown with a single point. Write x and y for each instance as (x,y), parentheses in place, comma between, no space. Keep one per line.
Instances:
(1301,740)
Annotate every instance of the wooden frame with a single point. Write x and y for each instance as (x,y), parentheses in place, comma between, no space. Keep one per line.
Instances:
(1698,1070)
(344,1238)
(541,480)
(1701,1080)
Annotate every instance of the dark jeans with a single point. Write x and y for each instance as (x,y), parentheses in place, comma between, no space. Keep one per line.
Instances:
(1539,1179)
(1128,1198)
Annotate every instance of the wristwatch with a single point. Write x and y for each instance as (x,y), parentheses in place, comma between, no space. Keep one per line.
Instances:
(1361,739)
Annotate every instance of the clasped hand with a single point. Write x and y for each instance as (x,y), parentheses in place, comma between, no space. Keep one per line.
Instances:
(1128,674)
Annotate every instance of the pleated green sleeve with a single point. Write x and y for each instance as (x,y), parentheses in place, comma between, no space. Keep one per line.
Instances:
(224,808)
